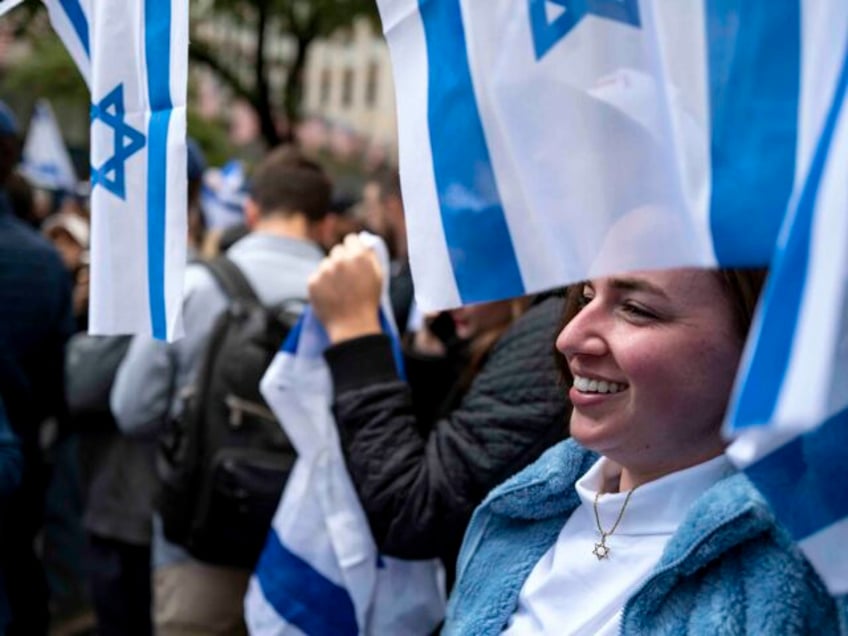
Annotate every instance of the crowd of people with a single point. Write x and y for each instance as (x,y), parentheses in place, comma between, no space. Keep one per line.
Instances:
(559,453)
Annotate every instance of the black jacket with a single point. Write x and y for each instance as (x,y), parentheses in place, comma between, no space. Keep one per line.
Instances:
(418,487)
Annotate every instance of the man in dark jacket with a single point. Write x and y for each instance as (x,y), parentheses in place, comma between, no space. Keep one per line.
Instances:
(419,487)
(35,322)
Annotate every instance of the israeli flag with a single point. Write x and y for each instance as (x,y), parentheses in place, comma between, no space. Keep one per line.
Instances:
(222,196)
(320,572)
(45,159)
(790,414)
(134,57)
(70,20)
(546,141)
(139,54)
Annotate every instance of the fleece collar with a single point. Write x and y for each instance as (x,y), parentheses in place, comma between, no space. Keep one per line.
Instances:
(545,489)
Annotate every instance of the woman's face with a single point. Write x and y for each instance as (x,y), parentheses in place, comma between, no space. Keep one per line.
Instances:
(472,320)
(653,356)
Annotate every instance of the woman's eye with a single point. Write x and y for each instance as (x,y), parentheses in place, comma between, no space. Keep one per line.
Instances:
(637,311)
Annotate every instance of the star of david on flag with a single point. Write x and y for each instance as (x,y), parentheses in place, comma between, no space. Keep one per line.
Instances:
(552,20)
(139,67)
(126,142)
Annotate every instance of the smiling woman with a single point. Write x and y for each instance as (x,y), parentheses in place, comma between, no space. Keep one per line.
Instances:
(667,342)
(639,524)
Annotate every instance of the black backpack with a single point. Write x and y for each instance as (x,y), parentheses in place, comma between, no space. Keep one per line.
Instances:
(224,460)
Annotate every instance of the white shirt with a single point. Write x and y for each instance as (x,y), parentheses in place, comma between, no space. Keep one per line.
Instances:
(571,591)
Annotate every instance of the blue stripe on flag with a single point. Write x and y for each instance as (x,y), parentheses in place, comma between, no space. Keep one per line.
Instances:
(157,34)
(302,595)
(782,299)
(478,239)
(75,14)
(754,66)
(290,343)
(804,480)
(397,350)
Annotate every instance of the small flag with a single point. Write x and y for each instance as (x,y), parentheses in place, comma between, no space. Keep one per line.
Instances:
(222,196)
(45,161)
(320,572)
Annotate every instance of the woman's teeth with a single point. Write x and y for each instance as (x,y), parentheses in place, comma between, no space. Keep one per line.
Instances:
(585,385)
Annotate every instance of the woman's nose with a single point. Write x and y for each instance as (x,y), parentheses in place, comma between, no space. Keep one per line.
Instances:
(582,335)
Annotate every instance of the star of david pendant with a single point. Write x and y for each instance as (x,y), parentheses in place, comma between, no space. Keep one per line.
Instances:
(601,550)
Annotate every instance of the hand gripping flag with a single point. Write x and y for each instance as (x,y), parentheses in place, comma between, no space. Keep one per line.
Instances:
(791,409)
(320,572)
(546,141)
(46,162)
(134,57)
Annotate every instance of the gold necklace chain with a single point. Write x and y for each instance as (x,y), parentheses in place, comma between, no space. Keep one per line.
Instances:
(601,549)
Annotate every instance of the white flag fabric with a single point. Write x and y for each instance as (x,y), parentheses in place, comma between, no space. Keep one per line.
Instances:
(790,414)
(134,57)
(223,195)
(70,20)
(320,572)
(45,159)
(6,5)
(139,55)
(546,141)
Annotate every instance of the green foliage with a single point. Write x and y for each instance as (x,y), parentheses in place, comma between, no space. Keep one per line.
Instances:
(212,138)
(48,71)
(302,21)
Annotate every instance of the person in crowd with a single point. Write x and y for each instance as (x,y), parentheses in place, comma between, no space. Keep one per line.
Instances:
(290,230)
(196,223)
(69,233)
(11,466)
(346,209)
(118,472)
(383,215)
(419,481)
(35,323)
(639,524)
(21,197)
(11,462)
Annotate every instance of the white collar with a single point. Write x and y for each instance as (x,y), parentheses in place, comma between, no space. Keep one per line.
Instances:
(657,507)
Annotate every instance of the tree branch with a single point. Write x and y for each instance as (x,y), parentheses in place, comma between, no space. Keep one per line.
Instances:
(202,54)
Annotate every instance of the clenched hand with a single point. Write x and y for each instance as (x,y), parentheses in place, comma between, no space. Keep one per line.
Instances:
(345,291)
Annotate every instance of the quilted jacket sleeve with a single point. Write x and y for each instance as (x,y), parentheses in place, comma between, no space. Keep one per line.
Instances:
(419,487)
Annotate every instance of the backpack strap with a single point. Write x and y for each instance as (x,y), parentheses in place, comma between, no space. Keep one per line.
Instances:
(231,279)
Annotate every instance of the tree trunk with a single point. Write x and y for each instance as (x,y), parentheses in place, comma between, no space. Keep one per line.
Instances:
(262,103)
(293,96)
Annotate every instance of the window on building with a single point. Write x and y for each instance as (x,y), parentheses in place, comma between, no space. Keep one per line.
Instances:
(326,84)
(347,87)
(371,85)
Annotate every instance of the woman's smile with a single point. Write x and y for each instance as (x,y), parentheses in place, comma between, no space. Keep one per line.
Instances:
(652,356)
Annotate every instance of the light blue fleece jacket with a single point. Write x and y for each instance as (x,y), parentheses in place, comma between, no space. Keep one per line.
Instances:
(729,569)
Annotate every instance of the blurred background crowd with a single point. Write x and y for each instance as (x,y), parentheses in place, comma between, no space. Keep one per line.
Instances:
(292,146)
